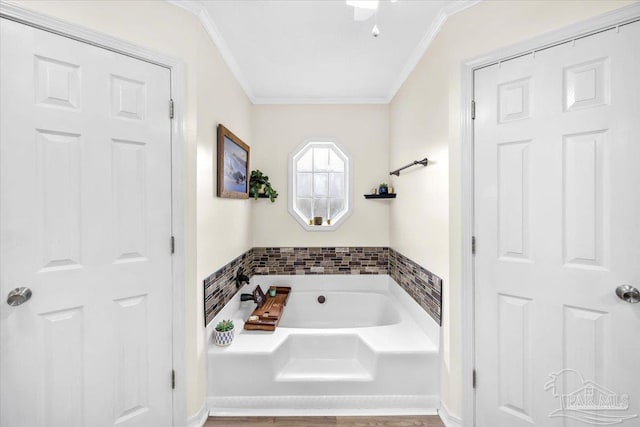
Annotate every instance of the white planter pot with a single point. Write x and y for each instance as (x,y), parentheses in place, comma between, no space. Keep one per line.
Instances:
(223,339)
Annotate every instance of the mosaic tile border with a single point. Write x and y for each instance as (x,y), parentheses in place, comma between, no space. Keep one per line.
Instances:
(329,260)
(220,286)
(423,286)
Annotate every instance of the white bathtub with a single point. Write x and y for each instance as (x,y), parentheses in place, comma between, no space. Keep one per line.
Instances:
(368,349)
(341,309)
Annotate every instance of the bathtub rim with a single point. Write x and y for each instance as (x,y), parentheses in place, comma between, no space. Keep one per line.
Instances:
(378,283)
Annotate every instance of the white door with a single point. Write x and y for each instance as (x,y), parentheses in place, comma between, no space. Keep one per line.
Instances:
(85,197)
(557,223)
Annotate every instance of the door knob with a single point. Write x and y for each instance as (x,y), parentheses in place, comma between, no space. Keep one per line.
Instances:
(18,296)
(628,293)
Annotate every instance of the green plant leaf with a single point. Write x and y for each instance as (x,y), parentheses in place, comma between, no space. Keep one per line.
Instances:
(257,180)
(224,326)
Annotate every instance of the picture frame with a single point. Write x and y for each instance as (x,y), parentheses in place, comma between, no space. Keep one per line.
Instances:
(259,296)
(233,165)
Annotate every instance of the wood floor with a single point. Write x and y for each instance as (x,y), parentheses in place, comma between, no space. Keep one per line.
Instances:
(408,421)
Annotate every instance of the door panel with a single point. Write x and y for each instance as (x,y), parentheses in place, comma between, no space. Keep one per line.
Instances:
(556,221)
(85,221)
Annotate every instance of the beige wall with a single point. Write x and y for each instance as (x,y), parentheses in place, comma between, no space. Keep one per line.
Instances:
(362,130)
(425,120)
(213,96)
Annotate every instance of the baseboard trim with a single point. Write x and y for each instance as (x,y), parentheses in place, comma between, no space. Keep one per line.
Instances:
(322,405)
(448,419)
(199,418)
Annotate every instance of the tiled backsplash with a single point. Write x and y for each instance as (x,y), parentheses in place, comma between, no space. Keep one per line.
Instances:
(422,285)
(220,287)
(349,260)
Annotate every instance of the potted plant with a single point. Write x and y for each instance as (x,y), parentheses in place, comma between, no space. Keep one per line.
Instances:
(259,184)
(383,189)
(223,334)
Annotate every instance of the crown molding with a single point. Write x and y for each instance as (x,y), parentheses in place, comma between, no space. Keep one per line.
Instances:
(319,101)
(435,27)
(197,9)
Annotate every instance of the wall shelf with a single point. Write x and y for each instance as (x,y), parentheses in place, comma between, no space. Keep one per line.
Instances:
(380,196)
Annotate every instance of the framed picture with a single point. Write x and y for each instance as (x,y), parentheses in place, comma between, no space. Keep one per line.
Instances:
(233,165)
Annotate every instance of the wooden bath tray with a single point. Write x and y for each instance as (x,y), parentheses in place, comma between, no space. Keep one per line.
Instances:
(271,311)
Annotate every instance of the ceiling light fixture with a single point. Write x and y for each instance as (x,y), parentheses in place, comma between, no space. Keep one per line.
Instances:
(364,4)
(363,9)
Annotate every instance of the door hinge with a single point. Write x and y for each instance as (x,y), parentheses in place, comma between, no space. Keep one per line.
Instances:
(473,245)
(171,108)
(173,379)
(173,245)
(473,110)
(473,380)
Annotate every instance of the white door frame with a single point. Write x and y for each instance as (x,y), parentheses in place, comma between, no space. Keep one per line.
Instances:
(545,41)
(177,70)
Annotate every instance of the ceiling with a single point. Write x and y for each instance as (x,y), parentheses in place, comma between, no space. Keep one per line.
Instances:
(313,52)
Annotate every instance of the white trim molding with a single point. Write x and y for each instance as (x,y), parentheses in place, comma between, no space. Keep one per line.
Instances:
(320,101)
(322,405)
(583,29)
(200,11)
(436,25)
(15,12)
(199,418)
(467,205)
(448,419)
